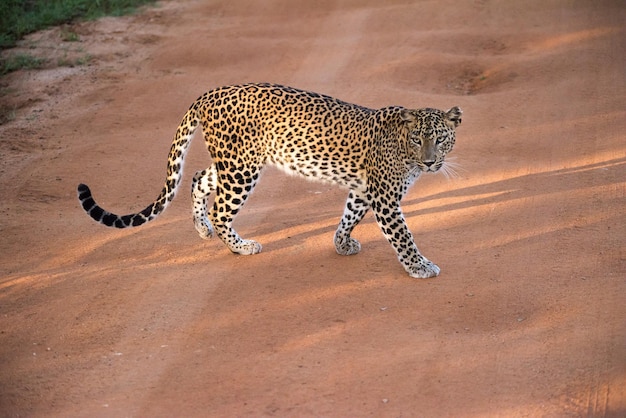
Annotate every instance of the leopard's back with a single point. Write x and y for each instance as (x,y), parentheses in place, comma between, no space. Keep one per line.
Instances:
(301,132)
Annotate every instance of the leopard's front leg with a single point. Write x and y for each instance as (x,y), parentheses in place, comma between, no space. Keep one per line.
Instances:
(393,225)
(355,209)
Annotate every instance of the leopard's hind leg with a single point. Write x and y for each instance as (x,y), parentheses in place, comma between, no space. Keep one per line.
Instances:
(234,184)
(204,183)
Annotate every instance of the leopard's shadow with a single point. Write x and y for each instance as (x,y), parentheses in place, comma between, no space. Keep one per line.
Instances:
(489,193)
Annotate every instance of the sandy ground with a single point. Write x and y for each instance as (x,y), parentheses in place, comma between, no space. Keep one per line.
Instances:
(526,319)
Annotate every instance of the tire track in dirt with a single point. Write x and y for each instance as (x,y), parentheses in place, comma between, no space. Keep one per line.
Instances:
(328,54)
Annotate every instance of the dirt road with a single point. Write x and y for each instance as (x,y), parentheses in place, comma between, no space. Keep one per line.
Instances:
(528,317)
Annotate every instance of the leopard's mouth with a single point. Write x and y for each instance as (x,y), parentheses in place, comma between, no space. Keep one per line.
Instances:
(431,167)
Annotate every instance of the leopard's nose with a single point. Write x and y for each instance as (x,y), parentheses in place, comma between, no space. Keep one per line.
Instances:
(429,163)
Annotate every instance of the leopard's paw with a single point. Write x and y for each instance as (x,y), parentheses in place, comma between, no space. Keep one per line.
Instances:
(246,247)
(426,269)
(204,227)
(348,246)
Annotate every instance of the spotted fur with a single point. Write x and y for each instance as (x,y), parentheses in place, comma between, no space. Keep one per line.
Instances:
(376,154)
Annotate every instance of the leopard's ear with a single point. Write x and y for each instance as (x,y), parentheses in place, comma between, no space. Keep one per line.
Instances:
(454,116)
(407,115)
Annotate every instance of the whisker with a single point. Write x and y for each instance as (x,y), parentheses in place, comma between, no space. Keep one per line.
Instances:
(451,169)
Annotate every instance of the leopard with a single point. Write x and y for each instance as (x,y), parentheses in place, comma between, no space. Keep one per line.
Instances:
(376,154)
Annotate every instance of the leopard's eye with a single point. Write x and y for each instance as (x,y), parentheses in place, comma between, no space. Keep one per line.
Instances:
(416,140)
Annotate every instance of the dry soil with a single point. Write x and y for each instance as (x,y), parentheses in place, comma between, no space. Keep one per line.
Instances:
(528,317)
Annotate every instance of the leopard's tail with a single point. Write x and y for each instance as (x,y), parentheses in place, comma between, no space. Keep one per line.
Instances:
(175,161)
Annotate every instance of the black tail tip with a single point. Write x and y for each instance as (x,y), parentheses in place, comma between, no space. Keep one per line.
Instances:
(83,192)
(83,189)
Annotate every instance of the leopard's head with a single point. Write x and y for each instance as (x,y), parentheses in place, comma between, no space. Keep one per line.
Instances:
(430,135)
